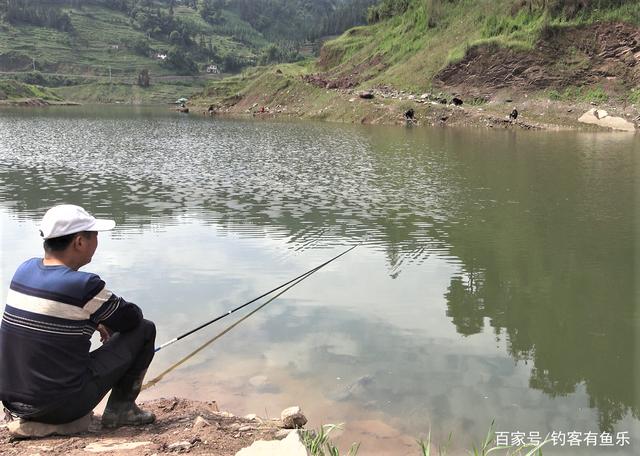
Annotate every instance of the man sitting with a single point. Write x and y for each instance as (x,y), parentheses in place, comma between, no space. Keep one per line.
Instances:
(47,373)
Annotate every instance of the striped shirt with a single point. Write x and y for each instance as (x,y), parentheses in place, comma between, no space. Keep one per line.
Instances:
(45,335)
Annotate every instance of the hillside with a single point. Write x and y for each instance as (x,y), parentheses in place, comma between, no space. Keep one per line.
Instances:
(484,51)
(106,44)
(433,43)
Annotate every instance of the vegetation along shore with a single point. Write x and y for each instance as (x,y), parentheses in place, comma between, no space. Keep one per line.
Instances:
(407,62)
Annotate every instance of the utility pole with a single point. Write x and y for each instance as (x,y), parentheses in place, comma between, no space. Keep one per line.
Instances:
(33,60)
(109,74)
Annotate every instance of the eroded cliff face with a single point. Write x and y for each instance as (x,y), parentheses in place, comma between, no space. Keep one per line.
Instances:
(607,54)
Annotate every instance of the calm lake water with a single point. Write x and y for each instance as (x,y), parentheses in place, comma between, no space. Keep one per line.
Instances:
(498,279)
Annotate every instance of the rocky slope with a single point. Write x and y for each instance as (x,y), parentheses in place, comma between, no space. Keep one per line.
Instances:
(605,54)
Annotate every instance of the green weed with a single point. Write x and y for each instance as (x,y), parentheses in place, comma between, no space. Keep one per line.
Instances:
(318,443)
(571,93)
(634,96)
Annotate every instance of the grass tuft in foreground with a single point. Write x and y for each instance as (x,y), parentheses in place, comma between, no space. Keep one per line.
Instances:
(319,444)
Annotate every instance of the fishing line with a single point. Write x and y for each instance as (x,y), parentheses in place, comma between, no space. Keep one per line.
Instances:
(296,280)
(155,380)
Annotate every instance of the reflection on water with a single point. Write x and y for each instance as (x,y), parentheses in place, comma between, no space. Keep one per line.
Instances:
(497,281)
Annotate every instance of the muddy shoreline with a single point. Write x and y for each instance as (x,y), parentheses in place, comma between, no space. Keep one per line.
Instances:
(387,107)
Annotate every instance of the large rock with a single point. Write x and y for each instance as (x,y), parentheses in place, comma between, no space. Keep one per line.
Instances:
(293,418)
(602,118)
(291,446)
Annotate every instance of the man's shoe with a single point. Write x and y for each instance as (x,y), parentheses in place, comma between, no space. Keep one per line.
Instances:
(125,414)
(121,409)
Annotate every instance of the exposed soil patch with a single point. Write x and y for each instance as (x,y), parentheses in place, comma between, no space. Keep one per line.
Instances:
(182,426)
(346,80)
(323,81)
(596,54)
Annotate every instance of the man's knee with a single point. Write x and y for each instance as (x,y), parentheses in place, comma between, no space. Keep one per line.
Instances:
(149,329)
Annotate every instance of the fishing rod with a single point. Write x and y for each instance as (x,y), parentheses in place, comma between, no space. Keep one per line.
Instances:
(301,277)
(174,366)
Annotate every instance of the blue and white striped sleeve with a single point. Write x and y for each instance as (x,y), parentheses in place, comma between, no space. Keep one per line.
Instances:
(110,310)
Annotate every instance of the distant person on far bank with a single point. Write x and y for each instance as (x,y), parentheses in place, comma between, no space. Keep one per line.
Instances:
(47,373)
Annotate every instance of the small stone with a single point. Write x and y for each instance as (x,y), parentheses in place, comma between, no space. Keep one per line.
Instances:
(200,423)
(108,446)
(172,405)
(293,418)
(251,416)
(283,433)
(182,445)
(245,428)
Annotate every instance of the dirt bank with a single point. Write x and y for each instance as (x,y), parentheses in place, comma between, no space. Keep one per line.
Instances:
(35,103)
(182,426)
(305,100)
(602,54)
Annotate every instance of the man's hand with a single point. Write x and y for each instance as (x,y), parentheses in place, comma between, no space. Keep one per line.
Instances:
(105,333)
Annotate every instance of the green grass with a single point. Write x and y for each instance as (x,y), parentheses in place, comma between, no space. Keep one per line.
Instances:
(634,96)
(414,46)
(572,93)
(318,443)
(596,94)
(105,92)
(14,90)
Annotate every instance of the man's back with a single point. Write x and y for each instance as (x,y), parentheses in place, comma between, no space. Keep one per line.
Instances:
(50,315)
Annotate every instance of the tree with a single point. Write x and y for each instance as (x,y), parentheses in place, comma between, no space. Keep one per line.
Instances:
(140,46)
(143,78)
(175,37)
(180,60)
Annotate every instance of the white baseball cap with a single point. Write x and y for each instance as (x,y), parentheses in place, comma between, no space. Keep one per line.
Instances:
(68,219)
